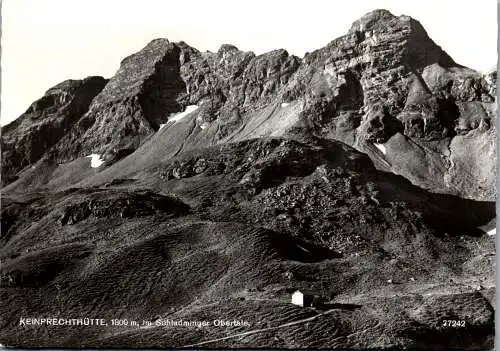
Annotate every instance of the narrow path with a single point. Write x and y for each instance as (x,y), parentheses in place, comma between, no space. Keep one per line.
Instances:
(255,331)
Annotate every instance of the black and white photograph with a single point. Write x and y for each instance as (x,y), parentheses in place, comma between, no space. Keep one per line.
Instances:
(261,174)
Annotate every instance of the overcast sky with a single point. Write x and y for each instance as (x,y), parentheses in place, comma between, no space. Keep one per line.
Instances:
(47,41)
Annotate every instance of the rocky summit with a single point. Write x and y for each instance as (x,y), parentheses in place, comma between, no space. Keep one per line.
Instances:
(210,186)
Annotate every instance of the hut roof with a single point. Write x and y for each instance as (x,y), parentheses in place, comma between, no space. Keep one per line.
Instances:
(309,291)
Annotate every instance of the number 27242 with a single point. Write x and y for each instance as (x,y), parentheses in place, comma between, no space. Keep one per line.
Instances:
(453,323)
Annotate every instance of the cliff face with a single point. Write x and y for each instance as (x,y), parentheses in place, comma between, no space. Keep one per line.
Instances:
(398,97)
(385,88)
(45,123)
(133,103)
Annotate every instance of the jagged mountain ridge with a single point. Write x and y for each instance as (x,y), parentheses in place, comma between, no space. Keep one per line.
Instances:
(384,82)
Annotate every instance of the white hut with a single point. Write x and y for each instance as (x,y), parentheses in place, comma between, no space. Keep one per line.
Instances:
(307,298)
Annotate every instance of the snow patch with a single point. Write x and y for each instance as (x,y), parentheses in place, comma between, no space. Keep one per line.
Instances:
(490,228)
(95,161)
(178,116)
(381,147)
(174,117)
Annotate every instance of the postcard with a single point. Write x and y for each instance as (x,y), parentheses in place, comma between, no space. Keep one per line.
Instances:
(264,174)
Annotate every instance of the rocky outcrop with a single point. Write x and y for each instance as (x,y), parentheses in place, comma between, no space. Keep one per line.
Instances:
(164,78)
(313,190)
(110,204)
(139,97)
(399,83)
(45,123)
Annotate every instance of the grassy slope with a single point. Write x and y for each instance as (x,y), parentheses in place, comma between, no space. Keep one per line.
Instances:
(234,241)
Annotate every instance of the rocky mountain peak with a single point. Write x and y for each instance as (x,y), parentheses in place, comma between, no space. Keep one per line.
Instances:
(372,20)
(382,29)
(225,48)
